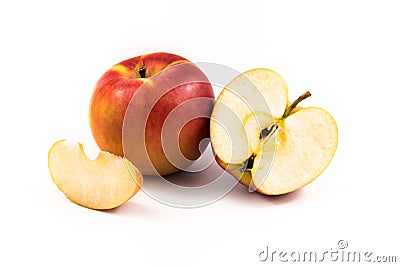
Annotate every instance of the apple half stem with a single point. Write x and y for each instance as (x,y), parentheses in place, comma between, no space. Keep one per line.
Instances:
(295,103)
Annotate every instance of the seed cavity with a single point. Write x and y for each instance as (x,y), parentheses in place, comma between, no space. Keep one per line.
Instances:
(267,132)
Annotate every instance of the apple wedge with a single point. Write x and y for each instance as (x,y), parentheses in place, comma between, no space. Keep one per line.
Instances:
(268,144)
(103,183)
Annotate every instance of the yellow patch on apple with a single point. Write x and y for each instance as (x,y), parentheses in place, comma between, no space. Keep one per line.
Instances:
(122,70)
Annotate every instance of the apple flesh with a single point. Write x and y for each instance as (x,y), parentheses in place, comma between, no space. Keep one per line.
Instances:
(113,96)
(269,145)
(103,183)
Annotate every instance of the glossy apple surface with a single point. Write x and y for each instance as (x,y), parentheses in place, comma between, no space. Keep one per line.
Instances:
(135,98)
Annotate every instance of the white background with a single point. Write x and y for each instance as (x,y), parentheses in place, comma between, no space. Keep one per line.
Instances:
(345,52)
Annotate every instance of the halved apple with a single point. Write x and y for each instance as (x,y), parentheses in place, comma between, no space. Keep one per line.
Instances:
(103,183)
(268,144)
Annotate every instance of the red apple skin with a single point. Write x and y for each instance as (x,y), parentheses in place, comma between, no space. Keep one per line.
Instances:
(112,96)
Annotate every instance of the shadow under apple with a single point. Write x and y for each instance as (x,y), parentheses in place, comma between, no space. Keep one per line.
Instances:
(129,209)
(223,183)
(241,194)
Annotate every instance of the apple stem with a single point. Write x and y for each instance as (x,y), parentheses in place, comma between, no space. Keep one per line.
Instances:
(142,72)
(295,103)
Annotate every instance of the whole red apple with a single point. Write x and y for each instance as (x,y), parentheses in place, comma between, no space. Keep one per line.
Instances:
(153,109)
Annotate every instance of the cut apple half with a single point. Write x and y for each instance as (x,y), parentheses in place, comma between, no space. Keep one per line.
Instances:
(268,144)
(103,183)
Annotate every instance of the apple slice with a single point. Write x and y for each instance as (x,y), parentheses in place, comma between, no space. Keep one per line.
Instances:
(103,183)
(266,143)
